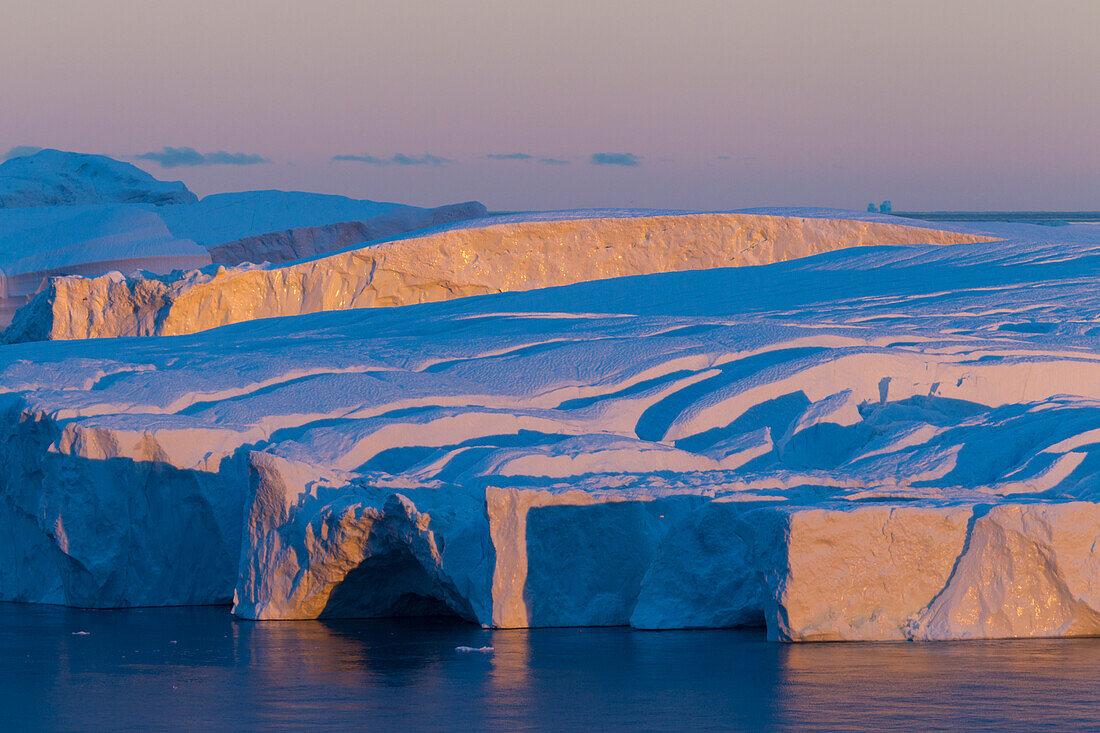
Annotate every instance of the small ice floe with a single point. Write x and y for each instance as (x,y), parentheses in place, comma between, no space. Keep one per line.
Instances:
(82,633)
(483,649)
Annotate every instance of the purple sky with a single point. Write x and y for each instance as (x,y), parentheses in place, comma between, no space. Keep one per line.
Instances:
(722,104)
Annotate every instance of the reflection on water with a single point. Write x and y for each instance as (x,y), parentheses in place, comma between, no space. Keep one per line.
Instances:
(1035,684)
(197,667)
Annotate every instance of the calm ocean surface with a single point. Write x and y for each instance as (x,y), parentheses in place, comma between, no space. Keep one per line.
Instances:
(198,668)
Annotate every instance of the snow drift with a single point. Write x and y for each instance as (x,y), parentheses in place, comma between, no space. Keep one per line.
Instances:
(870,443)
(473,258)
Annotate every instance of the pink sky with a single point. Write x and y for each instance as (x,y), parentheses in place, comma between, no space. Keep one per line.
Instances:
(965,105)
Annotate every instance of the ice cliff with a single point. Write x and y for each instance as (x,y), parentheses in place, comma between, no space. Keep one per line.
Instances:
(895,442)
(479,257)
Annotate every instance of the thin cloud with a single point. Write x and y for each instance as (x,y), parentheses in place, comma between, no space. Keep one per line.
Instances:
(398,159)
(223,158)
(20,150)
(358,159)
(425,159)
(629,160)
(180,157)
(525,156)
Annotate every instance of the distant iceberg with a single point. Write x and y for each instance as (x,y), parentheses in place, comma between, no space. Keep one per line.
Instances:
(58,178)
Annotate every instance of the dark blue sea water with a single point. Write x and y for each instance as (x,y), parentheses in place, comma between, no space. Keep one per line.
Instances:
(198,668)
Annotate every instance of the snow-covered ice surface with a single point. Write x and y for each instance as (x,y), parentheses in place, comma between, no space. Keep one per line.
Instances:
(885,442)
(471,257)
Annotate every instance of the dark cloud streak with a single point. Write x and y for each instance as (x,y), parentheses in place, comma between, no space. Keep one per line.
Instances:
(398,159)
(170,157)
(628,160)
(525,156)
(358,159)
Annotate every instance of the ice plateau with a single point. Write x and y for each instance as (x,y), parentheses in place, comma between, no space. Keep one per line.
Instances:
(876,442)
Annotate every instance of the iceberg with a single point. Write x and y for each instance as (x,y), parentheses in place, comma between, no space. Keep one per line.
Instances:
(840,443)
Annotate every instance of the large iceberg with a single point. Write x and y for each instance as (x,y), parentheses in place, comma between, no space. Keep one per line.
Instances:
(891,442)
(477,257)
